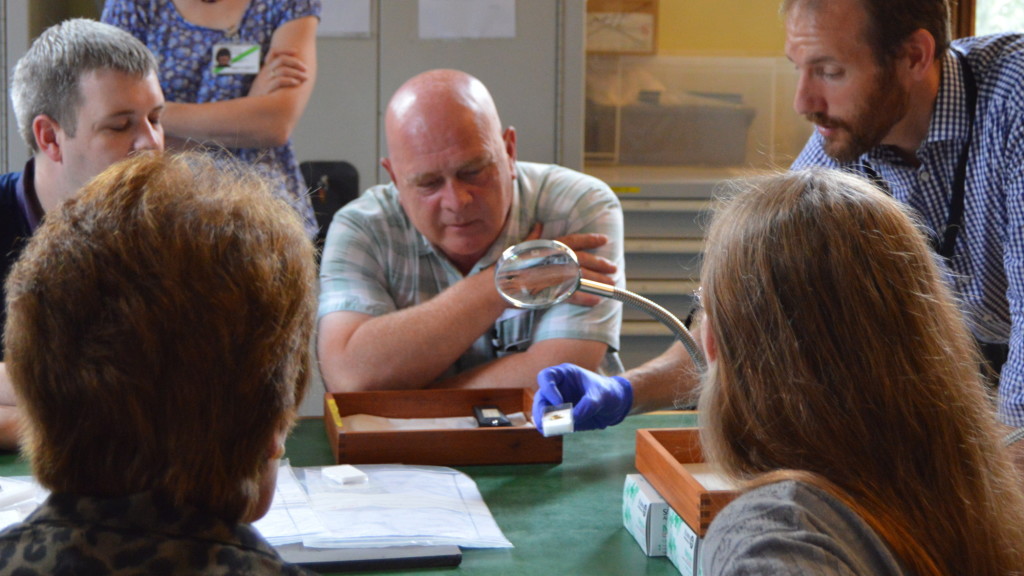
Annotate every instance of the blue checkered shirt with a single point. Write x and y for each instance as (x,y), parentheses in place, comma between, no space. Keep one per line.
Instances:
(988,263)
(376,262)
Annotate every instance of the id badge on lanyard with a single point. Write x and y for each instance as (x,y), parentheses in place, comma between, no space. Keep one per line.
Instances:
(235,59)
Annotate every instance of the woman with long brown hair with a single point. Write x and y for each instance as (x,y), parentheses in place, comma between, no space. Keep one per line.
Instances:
(843,393)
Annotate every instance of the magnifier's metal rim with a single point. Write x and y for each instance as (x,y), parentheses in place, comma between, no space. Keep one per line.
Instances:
(513,252)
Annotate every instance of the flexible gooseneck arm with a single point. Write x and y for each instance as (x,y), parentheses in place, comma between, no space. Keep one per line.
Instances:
(653,309)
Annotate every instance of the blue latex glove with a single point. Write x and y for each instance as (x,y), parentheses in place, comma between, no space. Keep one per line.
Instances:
(598,401)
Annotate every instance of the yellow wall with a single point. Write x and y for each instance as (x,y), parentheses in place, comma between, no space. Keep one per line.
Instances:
(751,28)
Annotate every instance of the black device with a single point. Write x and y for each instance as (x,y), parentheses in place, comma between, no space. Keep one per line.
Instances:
(490,416)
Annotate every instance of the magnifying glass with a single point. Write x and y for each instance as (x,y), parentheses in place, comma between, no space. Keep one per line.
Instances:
(538,274)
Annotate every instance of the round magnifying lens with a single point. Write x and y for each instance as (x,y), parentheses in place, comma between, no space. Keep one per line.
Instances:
(537,274)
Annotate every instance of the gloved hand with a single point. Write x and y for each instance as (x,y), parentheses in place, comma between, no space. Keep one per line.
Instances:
(598,401)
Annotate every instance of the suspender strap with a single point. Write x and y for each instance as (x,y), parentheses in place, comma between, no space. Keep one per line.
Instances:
(955,220)
(946,244)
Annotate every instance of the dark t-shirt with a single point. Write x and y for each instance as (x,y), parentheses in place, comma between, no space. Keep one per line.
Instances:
(15,231)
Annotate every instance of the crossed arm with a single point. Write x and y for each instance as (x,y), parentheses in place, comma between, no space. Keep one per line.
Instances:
(267,115)
(413,347)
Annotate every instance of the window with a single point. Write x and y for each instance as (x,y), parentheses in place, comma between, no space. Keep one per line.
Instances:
(991,16)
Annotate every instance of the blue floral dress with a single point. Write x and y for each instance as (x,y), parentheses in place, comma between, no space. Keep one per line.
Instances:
(184,51)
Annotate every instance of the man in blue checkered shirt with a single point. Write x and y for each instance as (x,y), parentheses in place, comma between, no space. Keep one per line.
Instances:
(407,296)
(927,119)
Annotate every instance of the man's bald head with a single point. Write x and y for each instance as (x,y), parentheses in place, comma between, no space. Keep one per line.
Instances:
(451,161)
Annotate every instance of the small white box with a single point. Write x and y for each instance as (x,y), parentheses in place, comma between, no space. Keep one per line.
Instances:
(345,474)
(683,546)
(645,514)
(558,420)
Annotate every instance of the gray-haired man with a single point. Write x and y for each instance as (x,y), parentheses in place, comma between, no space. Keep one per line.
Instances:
(85,95)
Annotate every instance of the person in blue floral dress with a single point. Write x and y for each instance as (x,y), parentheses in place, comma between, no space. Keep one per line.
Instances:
(247,108)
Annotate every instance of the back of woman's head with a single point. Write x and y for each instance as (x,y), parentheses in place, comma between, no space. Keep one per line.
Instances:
(158,332)
(840,351)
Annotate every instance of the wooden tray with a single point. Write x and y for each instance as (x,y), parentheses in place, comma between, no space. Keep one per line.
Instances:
(503,445)
(660,455)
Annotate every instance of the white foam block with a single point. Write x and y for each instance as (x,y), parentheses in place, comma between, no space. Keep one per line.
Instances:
(345,474)
(557,420)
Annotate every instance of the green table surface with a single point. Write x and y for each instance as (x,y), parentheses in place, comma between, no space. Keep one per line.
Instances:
(562,518)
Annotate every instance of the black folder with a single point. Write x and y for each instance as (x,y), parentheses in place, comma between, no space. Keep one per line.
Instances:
(365,559)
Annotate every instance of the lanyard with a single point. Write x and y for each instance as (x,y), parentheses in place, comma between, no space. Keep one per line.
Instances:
(955,213)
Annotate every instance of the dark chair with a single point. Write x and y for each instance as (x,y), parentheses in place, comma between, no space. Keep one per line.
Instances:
(332,184)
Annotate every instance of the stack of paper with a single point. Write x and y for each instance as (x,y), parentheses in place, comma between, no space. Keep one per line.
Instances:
(393,506)
(290,517)
(18,498)
(401,506)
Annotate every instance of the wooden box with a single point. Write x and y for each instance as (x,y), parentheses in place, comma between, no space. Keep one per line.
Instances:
(660,455)
(500,445)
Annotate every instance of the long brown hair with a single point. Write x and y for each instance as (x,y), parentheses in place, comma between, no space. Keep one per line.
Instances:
(841,355)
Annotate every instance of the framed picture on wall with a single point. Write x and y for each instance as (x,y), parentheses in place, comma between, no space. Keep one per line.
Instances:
(622,26)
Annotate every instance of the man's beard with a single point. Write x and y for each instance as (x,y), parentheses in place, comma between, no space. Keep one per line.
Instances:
(882,108)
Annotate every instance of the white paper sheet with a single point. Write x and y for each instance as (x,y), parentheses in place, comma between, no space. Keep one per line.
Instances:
(291,517)
(19,496)
(402,506)
(708,477)
(397,506)
(345,19)
(465,19)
